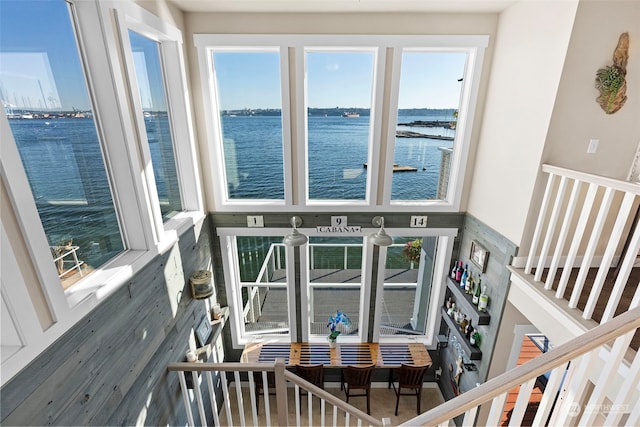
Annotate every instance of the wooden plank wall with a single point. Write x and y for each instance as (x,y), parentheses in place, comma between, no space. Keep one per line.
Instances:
(496,277)
(111,367)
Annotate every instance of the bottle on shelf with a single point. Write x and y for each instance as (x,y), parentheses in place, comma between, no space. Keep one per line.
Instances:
(476,292)
(451,310)
(463,324)
(449,302)
(474,339)
(468,287)
(468,330)
(464,276)
(459,272)
(483,302)
(454,270)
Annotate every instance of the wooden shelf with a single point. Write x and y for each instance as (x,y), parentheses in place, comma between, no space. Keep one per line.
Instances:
(473,352)
(464,304)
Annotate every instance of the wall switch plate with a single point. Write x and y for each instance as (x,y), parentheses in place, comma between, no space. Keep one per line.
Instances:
(593,146)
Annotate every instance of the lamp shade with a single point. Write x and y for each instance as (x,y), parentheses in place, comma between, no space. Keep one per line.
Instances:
(295,238)
(380,237)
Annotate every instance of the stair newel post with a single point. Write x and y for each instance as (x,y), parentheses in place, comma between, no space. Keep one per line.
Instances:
(281,392)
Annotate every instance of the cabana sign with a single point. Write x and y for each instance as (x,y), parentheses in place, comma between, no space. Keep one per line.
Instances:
(338,225)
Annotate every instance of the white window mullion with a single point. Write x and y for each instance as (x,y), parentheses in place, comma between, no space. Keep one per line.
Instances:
(299,87)
(288,160)
(385,165)
(376,139)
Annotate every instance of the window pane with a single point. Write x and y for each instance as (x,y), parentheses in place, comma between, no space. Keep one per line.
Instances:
(430,85)
(262,272)
(146,58)
(335,274)
(407,285)
(43,92)
(249,99)
(339,93)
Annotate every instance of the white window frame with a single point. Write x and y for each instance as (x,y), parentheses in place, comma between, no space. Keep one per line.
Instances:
(143,239)
(378,194)
(446,237)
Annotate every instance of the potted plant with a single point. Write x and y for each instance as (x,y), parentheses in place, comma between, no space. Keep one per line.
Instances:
(411,251)
(334,321)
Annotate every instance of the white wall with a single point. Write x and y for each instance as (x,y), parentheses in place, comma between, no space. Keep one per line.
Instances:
(530,47)
(576,116)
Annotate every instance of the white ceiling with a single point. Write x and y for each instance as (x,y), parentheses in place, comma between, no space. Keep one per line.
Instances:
(433,6)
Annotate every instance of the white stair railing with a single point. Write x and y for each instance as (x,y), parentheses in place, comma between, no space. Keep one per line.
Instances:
(584,219)
(567,400)
(236,410)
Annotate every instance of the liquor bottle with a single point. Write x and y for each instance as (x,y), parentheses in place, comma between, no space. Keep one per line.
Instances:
(463,278)
(474,339)
(463,324)
(451,309)
(468,330)
(459,272)
(449,302)
(484,299)
(468,287)
(454,270)
(476,292)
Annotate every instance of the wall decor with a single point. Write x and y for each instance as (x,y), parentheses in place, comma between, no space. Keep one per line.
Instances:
(203,331)
(479,256)
(610,80)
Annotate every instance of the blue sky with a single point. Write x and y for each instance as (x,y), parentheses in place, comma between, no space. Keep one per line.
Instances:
(39,33)
(39,66)
(252,80)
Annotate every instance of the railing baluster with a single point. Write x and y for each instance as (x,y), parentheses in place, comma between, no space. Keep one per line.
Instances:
(346,418)
(578,234)
(253,397)
(623,275)
(497,407)
(310,407)
(538,230)
(267,406)
(632,379)
(227,400)
(573,389)
(591,247)
(549,395)
(609,372)
(240,400)
(564,232)
(607,258)
(322,409)
(521,403)
(335,415)
(470,417)
(185,398)
(195,379)
(551,228)
(212,398)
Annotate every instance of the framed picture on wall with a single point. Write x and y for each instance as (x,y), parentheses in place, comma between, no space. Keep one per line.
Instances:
(479,255)
(203,331)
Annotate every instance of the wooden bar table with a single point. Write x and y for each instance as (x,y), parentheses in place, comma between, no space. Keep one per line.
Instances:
(381,355)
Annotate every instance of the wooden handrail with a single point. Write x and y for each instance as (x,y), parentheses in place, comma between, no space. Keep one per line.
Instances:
(590,340)
(616,184)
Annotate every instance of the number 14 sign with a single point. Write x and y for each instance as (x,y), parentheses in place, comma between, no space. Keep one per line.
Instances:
(418,222)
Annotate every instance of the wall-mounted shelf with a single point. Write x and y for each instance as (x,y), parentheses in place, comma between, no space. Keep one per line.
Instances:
(473,352)
(463,302)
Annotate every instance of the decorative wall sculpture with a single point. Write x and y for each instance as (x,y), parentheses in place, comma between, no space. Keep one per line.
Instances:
(610,80)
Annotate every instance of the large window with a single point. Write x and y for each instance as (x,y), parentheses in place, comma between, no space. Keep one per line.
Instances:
(95,126)
(280,293)
(428,105)
(45,98)
(367,121)
(250,123)
(157,127)
(338,123)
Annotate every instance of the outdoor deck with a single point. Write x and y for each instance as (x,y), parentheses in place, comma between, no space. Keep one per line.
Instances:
(397,301)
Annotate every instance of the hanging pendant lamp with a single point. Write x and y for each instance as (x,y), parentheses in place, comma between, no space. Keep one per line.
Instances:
(295,238)
(380,237)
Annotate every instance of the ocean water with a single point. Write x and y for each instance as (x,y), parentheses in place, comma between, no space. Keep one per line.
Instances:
(65,168)
(338,149)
